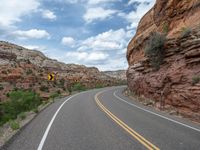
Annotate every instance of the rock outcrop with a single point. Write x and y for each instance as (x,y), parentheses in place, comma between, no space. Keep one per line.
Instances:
(177,82)
(119,74)
(21,68)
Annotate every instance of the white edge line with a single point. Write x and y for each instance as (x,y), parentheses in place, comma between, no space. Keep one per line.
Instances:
(51,122)
(155,113)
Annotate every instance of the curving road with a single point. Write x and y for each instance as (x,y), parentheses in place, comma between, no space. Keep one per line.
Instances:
(103,119)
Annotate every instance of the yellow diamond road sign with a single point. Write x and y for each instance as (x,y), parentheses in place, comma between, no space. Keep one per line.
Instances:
(51,77)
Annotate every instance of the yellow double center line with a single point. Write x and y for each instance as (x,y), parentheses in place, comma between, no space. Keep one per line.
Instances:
(133,133)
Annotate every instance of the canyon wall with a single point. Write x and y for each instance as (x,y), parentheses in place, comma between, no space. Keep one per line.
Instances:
(177,82)
(21,68)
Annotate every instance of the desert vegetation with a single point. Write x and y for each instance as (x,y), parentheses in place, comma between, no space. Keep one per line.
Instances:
(154,49)
(165,28)
(44,88)
(20,101)
(78,87)
(185,31)
(195,80)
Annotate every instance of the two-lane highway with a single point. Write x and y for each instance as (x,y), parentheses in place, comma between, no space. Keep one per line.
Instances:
(106,120)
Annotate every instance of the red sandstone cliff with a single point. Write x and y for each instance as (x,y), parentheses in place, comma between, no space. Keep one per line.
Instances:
(181,66)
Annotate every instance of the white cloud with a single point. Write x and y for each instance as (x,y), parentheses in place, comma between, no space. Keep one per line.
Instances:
(95,2)
(134,17)
(68,41)
(88,2)
(97,13)
(140,1)
(118,63)
(122,51)
(35,47)
(110,40)
(105,51)
(31,34)
(86,57)
(130,34)
(11,11)
(71,1)
(48,14)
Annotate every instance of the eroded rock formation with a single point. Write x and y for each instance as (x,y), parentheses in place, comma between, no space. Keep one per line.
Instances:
(175,80)
(21,68)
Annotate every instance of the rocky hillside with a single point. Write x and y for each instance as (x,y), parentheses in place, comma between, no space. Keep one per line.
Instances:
(119,74)
(170,74)
(21,68)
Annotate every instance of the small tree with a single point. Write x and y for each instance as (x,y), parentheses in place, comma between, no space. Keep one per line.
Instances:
(155,49)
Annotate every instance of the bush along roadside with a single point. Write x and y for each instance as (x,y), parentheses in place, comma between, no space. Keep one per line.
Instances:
(18,111)
(78,87)
(20,101)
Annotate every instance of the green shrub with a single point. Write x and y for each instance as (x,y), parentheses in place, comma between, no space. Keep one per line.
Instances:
(15,89)
(99,86)
(44,88)
(59,92)
(45,102)
(22,115)
(185,32)
(54,95)
(165,28)
(1,88)
(78,87)
(64,89)
(19,101)
(195,80)
(62,82)
(35,110)
(28,61)
(69,89)
(7,94)
(155,49)
(14,125)
(29,71)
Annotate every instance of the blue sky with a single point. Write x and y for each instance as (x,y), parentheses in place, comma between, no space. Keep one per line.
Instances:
(89,32)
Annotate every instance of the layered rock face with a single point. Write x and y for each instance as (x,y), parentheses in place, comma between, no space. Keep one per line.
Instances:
(28,69)
(177,81)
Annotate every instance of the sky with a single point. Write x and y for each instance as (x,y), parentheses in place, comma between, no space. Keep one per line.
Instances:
(88,32)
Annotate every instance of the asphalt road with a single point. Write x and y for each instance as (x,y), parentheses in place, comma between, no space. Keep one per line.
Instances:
(103,119)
